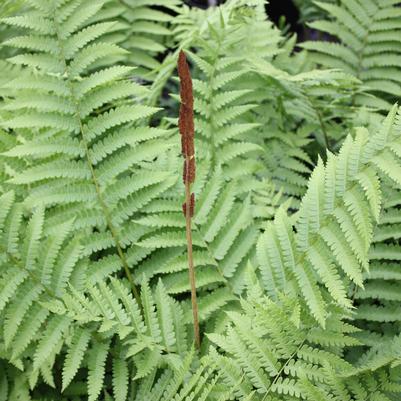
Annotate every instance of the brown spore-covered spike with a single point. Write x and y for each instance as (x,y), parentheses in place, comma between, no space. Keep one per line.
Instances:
(191,206)
(185,81)
(186,116)
(187,130)
(189,168)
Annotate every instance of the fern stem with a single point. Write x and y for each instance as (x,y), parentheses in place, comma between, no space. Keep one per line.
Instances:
(191,269)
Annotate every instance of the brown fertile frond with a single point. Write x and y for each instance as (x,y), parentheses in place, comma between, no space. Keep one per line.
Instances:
(185,81)
(186,118)
(187,129)
(191,206)
(188,174)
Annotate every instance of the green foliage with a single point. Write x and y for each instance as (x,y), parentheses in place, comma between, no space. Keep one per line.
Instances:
(368,34)
(309,10)
(78,136)
(142,28)
(296,234)
(334,228)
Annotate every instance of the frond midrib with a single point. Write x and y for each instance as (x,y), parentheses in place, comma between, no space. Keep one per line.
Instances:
(113,231)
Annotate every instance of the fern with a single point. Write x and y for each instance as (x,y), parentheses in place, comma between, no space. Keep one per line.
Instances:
(378,304)
(221,108)
(334,228)
(272,350)
(143,31)
(212,238)
(25,287)
(68,317)
(366,31)
(98,146)
(295,227)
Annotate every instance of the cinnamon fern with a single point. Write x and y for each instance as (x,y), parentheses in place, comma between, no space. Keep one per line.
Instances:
(225,230)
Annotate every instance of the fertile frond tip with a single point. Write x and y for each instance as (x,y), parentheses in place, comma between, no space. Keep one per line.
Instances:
(186,118)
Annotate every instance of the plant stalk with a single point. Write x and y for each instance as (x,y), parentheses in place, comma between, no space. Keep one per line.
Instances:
(191,269)
(187,131)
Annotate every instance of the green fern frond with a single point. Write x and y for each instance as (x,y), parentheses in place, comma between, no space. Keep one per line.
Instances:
(96,367)
(366,31)
(296,226)
(120,379)
(334,228)
(98,146)
(142,29)
(277,359)
(76,351)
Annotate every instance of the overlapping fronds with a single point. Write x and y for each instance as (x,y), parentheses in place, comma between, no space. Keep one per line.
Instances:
(314,97)
(146,340)
(47,308)
(221,108)
(224,238)
(378,305)
(34,268)
(272,352)
(368,35)
(335,222)
(293,213)
(142,28)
